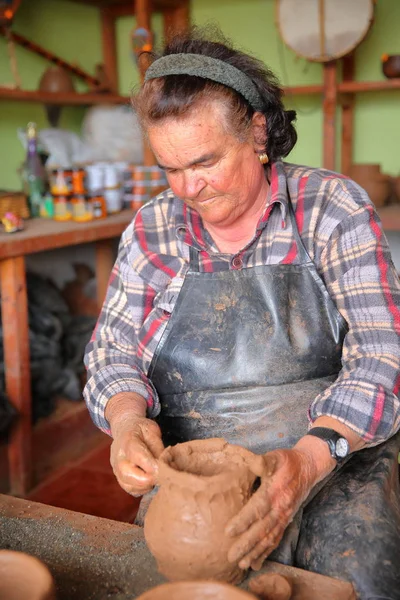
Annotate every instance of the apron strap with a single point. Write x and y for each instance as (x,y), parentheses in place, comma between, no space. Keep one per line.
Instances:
(301,249)
(194,260)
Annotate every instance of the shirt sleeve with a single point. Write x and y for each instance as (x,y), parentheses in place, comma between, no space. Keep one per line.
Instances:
(111,355)
(361,278)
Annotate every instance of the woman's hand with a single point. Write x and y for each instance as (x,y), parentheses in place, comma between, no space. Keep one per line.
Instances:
(136,444)
(288,479)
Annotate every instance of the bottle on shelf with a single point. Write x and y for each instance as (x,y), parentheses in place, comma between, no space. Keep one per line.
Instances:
(35,174)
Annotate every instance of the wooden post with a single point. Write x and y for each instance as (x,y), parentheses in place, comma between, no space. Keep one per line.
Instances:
(143,10)
(347,117)
(178,20)
(329,115)
(105,258)
(108,39)
(14,310)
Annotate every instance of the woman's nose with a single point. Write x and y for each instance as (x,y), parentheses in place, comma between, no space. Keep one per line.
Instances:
(193,183)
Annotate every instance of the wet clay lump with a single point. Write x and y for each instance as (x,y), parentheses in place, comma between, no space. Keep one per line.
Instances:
(202,485)
(271,586)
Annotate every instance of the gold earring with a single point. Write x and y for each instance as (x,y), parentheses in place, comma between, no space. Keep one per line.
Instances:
(263,158)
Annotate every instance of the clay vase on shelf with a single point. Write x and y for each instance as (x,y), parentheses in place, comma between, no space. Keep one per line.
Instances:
(196,590)
(377,185)
(202,485)
(396,188)
(391,65)
(24,577)
(55,80)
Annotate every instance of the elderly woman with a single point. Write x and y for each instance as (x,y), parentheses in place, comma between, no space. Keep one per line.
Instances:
(256,300)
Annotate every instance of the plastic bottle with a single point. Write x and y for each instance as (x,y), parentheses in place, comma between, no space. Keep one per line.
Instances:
(34,172)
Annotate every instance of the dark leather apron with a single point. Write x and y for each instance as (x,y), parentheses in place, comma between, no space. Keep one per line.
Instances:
(244,354)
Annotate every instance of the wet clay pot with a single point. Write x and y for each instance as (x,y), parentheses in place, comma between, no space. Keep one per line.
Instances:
(196,590)
(24,577)
(202,485)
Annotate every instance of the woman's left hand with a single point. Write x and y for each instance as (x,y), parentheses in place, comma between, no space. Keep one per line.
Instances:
(287,481)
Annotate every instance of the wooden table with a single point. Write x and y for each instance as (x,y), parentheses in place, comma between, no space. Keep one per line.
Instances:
(39,235)
(92,558)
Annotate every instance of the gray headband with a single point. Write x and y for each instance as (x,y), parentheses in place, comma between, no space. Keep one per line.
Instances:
(206,67)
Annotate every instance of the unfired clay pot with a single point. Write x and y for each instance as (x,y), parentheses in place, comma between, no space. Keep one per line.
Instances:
(55,79)
(196,590)
(377,185)
(203,484)
(391,65)
(24,577)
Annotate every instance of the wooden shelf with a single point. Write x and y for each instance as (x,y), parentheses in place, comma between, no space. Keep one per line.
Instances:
(369,86)
(296,90)
(75,99)
(157,4)
(46,234)
(64,99)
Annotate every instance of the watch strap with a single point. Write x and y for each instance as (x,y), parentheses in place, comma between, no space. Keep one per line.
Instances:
(331,437)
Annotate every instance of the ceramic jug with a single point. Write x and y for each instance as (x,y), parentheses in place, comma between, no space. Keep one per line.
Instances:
(202,485)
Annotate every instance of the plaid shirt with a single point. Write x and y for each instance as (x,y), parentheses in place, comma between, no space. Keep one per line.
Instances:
(343,237)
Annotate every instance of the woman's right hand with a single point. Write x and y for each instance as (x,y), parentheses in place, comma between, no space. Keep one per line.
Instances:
(135,448)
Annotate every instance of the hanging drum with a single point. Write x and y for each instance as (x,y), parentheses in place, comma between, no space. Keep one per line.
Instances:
(323,30)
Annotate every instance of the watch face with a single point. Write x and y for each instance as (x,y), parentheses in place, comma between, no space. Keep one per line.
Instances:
(342,447)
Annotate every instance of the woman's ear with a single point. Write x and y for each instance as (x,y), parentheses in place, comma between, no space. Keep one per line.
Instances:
(259,129)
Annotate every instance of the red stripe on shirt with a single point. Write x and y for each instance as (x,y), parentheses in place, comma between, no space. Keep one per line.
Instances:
(153,257)
(378,412)
(151,333)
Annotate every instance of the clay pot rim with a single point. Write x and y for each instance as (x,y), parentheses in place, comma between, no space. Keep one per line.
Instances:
(245,462)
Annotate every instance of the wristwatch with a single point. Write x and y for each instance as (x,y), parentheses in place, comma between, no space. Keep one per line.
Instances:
(339,447)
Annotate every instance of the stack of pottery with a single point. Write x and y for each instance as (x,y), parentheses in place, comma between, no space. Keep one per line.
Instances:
(377,185)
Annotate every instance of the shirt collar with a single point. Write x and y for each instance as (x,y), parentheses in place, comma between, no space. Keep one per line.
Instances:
(189,226)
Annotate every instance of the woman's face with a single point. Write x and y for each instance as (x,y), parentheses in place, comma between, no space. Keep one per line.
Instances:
(207,167)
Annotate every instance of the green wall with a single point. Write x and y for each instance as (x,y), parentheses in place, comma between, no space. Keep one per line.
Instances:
(73,31)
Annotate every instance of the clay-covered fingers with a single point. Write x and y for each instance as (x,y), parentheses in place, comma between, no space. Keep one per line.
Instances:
(256,509)
(260,551)
(261,536)
(134,452)
(152,438)
(135,468)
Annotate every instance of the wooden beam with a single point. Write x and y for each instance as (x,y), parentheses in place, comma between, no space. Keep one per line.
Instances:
(14,311)
(347,117)
(50,56)
(369,86)
(64,98)
(109,45)
(180,18)
(329,115)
